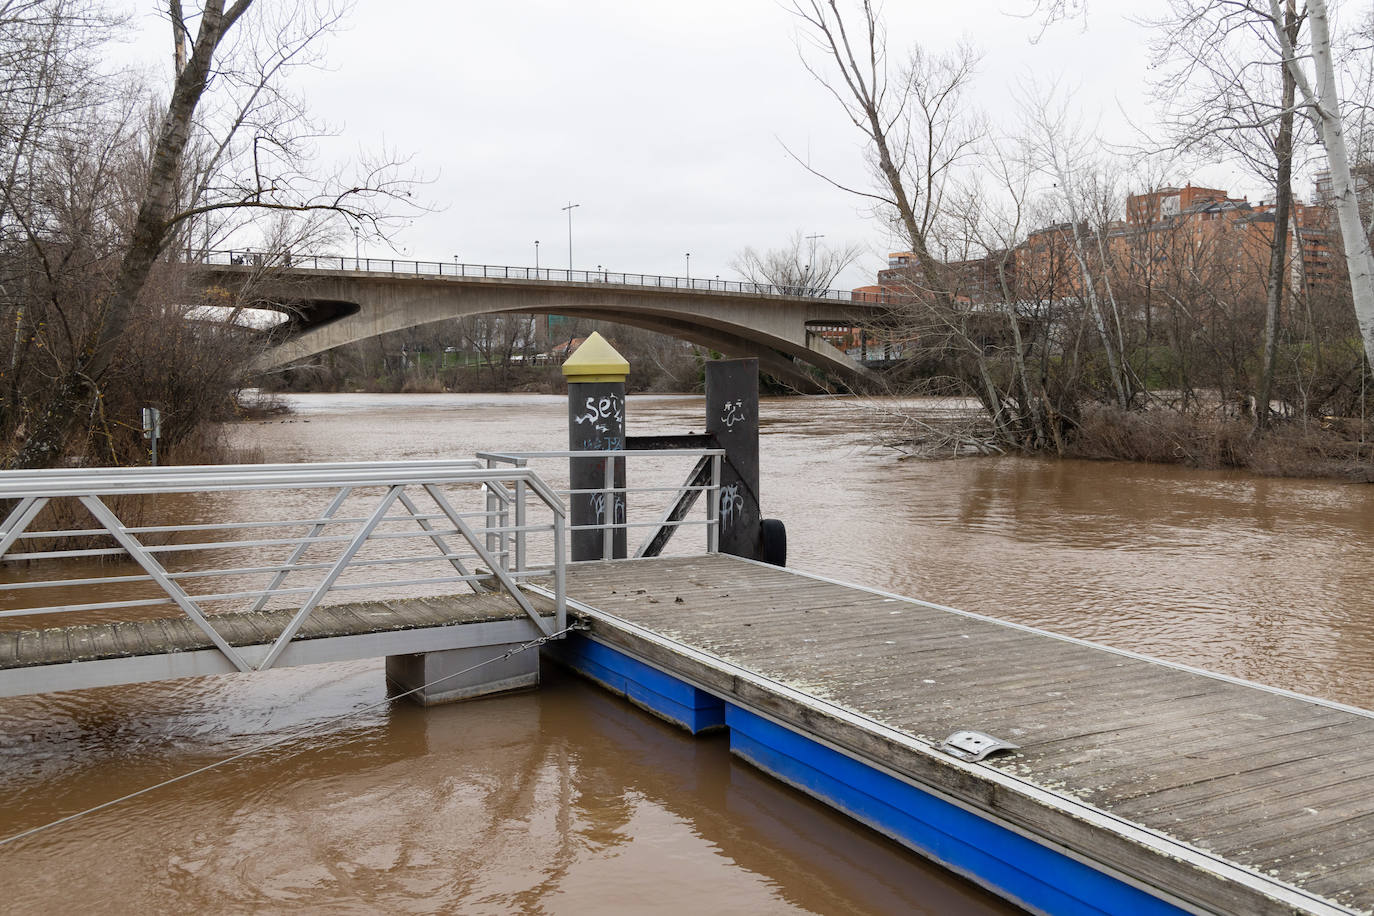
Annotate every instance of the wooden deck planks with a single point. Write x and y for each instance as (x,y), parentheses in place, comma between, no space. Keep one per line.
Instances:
(1203,770)
(55,645)
(1273,782)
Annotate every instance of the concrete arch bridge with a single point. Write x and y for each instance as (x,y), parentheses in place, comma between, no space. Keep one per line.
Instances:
(335,301)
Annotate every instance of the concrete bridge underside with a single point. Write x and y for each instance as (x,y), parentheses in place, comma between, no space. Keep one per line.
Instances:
(333,308)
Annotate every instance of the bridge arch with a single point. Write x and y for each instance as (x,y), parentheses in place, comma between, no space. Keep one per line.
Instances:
(337,307)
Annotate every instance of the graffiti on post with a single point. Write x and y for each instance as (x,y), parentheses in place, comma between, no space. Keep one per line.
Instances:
(731,504)
(598,501)
(604,444)
(603,413)
(732,413)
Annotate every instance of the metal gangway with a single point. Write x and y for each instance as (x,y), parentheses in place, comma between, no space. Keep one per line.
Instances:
(123,575)
(252,557)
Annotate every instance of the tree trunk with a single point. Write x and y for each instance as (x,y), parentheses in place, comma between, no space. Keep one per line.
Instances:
(79,389)
(1283,201)
(1324,108)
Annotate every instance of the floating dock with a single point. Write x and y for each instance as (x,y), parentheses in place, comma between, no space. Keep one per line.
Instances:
(1132,786)
(1137,786)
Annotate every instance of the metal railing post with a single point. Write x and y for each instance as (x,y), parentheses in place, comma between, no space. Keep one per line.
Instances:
(608,511)
(713,508)
(560,568)
(520,522)
(503,536)
(493,500)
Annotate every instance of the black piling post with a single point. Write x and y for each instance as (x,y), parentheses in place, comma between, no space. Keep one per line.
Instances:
(596,422)
(732,416)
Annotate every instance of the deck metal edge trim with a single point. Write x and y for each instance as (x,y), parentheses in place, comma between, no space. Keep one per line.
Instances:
(1158,842)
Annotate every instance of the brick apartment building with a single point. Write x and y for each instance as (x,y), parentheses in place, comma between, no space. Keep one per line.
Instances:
(1192,228)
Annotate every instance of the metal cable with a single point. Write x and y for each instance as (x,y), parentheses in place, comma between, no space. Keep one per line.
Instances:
(267,745)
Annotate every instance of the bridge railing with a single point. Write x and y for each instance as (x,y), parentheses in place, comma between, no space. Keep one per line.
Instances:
(242,539)
(661,508)
(458,271)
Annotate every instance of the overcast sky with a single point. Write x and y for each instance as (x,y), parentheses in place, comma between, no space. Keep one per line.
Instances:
(664,121)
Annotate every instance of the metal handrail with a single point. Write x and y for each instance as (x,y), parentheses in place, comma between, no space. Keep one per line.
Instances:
(400,484)
(112,481)
(461,271)
(217,469)
(609,489)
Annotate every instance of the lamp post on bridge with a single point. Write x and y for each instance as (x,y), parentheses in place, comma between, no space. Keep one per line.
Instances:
(812,238)
(355,247)
(569,208)
(689,268)
(536,257)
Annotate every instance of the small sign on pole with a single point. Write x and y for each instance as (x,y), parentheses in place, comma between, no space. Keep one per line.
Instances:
(152,428)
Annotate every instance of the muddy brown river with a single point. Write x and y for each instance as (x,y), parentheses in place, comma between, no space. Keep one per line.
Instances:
(566,800)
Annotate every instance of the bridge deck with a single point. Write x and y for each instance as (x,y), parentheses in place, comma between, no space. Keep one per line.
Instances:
(1228,796)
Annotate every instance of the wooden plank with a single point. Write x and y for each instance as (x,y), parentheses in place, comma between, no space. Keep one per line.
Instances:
(323,622)
(29,649)
(129,637)
(1197,762)
(81,643)
(238,629)
(1339,885)
(1194,731)
(1346,847)
(434,612)
(183,635)
(1208,724)
(105,641)
(1334,794)
(54,642)
(349,618)
(159,636)
(1008,687)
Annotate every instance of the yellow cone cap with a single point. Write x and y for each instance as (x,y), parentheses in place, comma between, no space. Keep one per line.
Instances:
(596,361)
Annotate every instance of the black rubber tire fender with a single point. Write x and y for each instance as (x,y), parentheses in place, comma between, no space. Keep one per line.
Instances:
(773,535)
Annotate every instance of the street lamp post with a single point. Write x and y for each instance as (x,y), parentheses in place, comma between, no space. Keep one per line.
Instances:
(813,238)
(355,247)
(689,268)
(569,208)
(536,257)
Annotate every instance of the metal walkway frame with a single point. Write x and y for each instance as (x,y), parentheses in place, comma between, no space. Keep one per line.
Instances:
(390,494)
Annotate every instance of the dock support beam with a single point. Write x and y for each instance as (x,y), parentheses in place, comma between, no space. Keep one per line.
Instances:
(436,673)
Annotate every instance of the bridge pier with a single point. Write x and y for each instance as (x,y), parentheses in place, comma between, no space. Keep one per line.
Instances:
(437,676)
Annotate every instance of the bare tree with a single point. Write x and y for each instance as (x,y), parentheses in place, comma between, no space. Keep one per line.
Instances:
(1228,93)
(228,140)
(800,265)
(914,117)
(1067,153)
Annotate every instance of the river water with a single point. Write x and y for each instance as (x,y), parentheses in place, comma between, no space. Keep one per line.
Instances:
(566,800)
